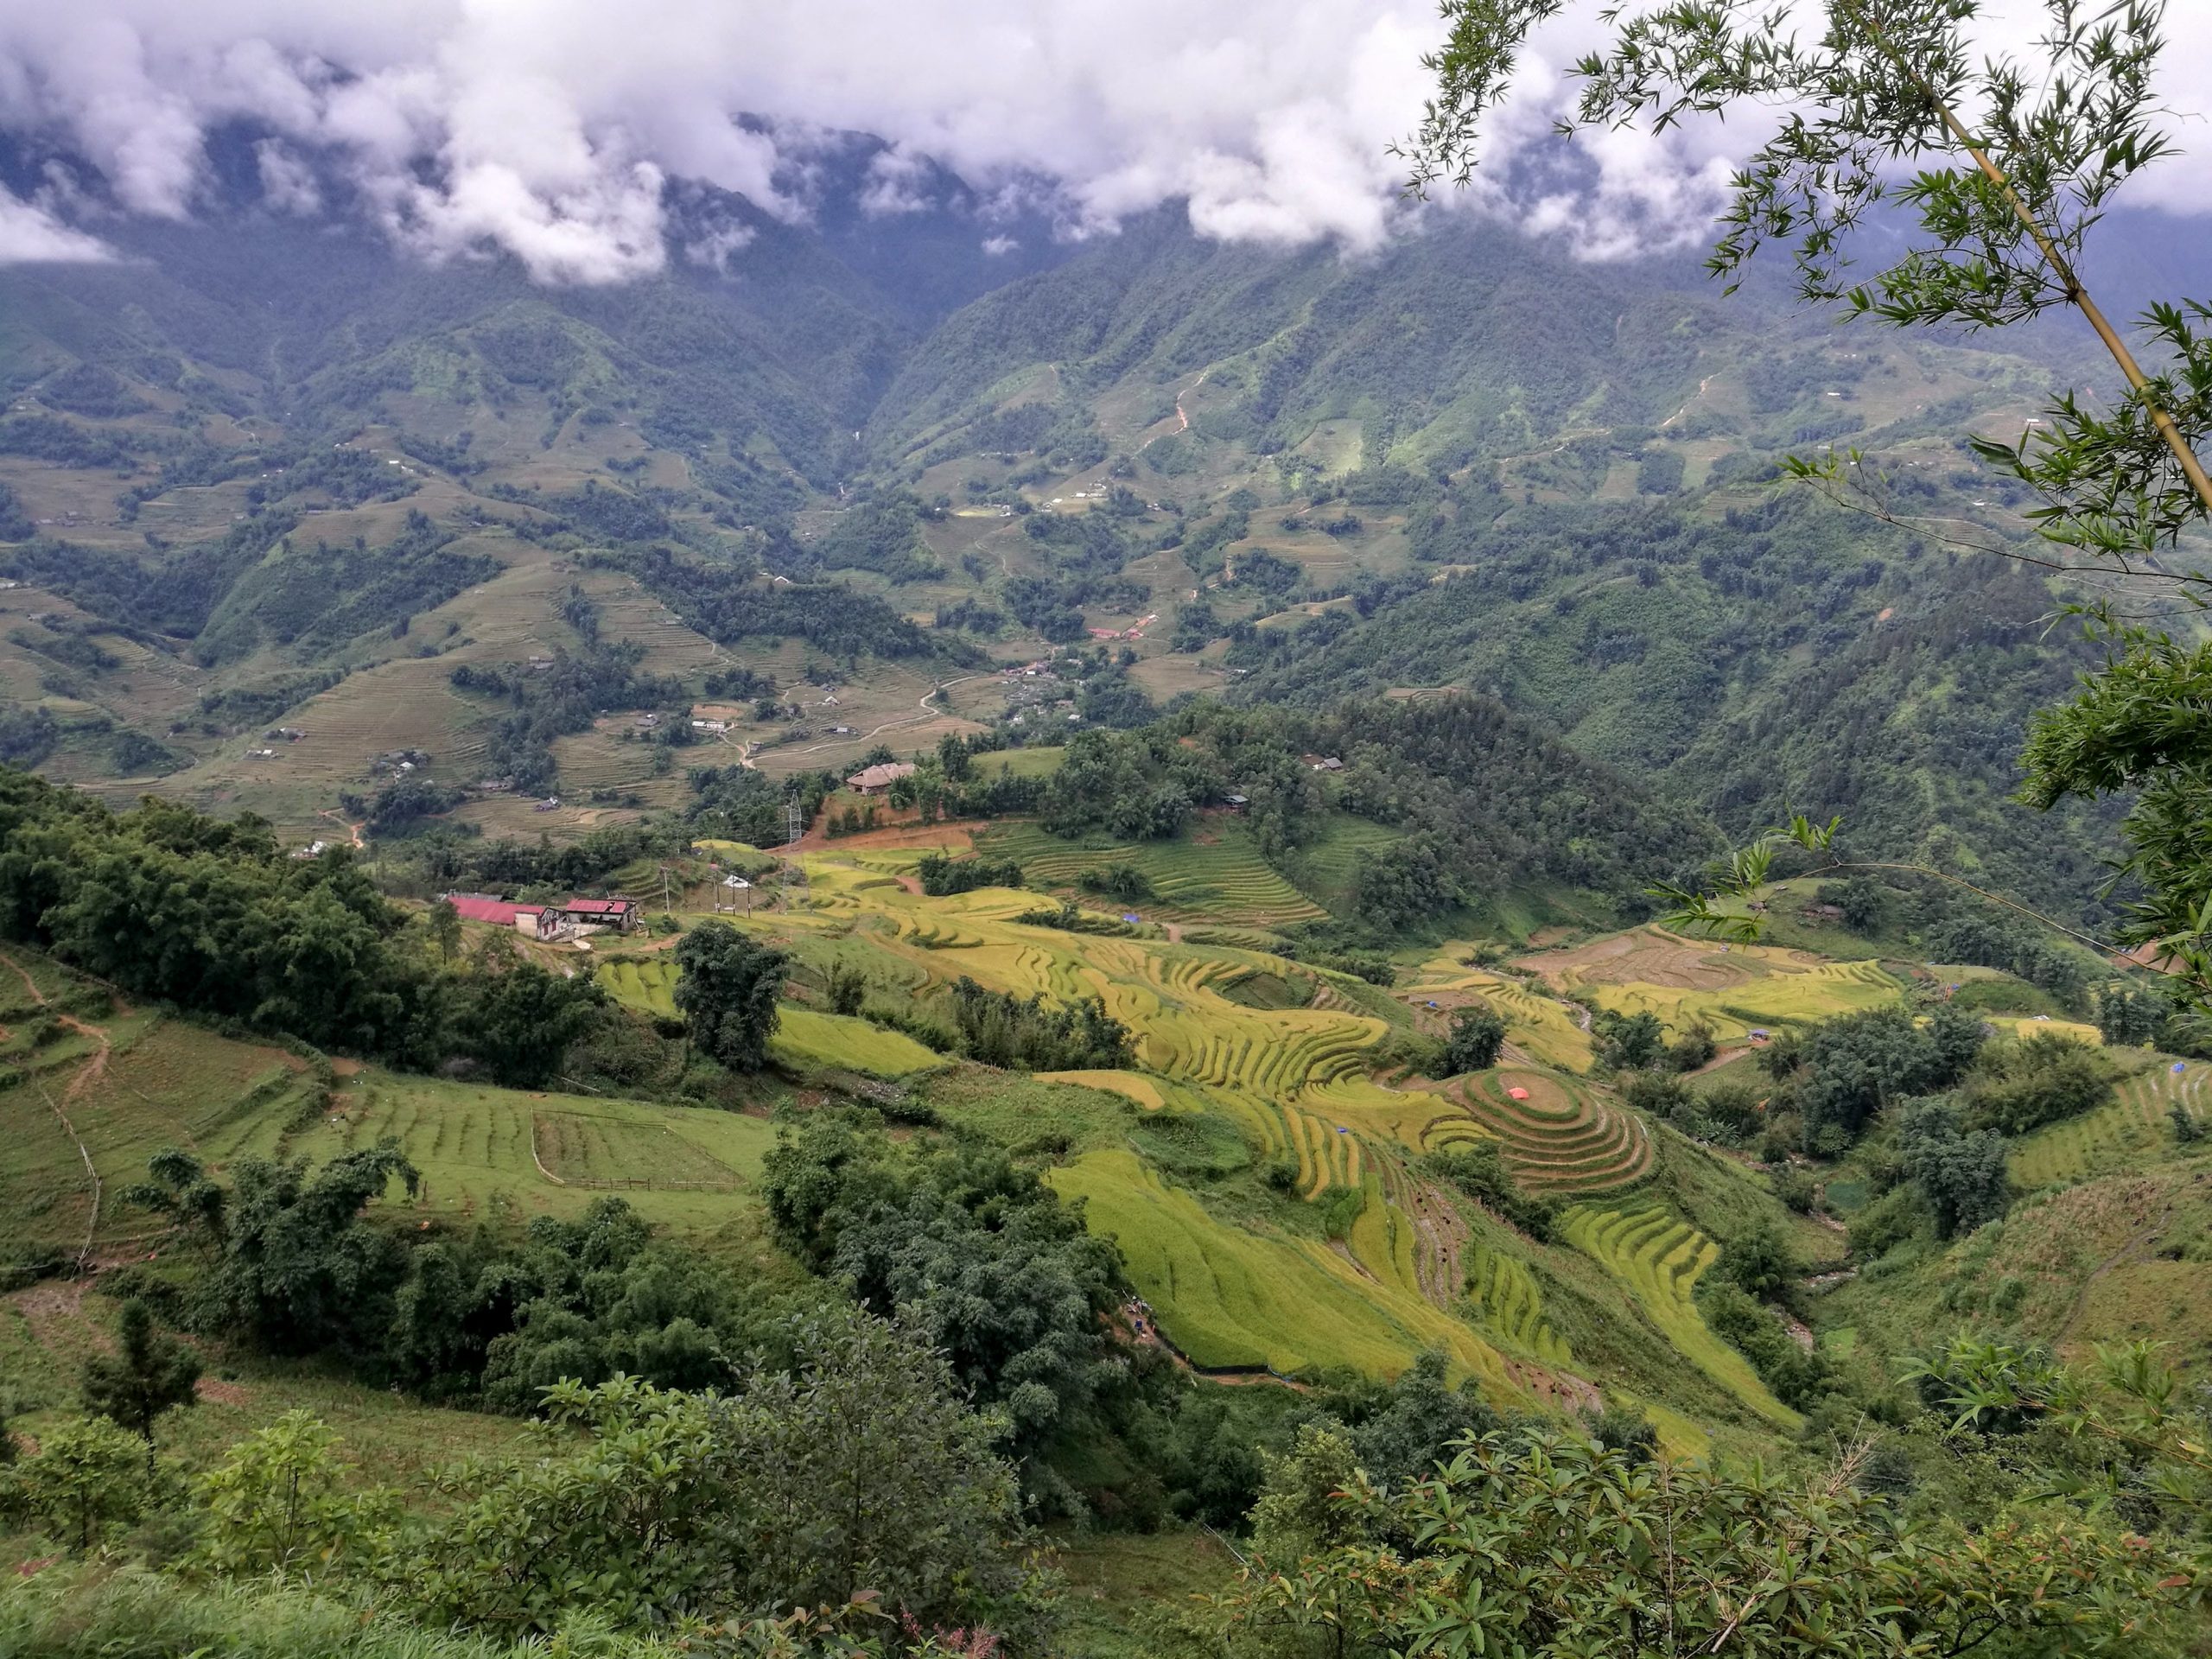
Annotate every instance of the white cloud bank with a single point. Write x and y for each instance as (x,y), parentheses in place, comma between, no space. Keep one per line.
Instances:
(548,128)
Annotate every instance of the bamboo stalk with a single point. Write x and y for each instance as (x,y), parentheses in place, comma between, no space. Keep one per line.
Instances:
(2079,297)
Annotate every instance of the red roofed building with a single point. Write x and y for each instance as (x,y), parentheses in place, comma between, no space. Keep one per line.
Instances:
(533,919)
(564,921)
(476,907)
(621,914)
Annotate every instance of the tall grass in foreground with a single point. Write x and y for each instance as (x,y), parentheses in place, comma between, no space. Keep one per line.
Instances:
(79,1613)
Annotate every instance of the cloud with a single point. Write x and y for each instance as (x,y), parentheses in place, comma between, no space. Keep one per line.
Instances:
(550,129)
(31,235)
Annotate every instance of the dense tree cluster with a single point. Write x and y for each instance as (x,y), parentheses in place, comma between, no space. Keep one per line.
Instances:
(174,906)
(728,606)
(726,987)
(941,876)
(1030,1034)
(974,1252)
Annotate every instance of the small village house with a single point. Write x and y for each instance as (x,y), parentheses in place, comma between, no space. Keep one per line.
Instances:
(874,780)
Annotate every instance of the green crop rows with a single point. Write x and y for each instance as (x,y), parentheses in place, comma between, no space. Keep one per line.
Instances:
(1503,1288)
(1565,1137)
(1659,1261)
(2107,1137)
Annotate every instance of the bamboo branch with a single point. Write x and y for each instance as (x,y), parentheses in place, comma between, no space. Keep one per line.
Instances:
(2191,468)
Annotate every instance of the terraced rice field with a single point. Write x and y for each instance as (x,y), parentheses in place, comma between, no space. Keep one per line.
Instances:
(1659,1260)
(616,1151)
(2114,1135)
(1504,1290)
(1566,1137)
(814,1041)
(1328,866)
(1732,989)
(648,986)
(1542,1027)
(1223,877)
(471,1142)
(1130,1085)
(1230,1298)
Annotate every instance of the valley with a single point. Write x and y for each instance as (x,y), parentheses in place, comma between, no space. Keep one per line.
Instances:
(757,902)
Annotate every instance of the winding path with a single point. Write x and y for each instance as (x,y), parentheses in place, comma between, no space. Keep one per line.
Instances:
(904,719)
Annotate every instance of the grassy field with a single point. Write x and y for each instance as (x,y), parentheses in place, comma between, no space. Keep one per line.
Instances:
(805,1039)
(808,1040)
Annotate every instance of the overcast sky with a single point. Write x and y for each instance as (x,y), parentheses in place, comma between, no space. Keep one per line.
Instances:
(549,129)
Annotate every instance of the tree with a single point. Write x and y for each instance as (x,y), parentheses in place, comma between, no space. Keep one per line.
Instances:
(1627,1042)
(1760,1260)
(1961,1174)
(727,987)
(88,1479)
(2007,164)
(847,987)
(2130,1403)
(301,1269)
(2137,1017)
(276,1505)
(974,1252)
(180,1188)
(859,1470)
(1417,1422)
(1857,1065)
(444,923)
(1693,1049)
(151,1373)
(1547,1545)
(1476,1036)
(519,1020)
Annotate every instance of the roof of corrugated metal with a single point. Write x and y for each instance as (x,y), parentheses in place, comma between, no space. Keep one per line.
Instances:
(475,907)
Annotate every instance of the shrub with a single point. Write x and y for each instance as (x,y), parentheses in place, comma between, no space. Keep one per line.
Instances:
(1476,1036)
(941,876)
(89,1480)
(1479,1172)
